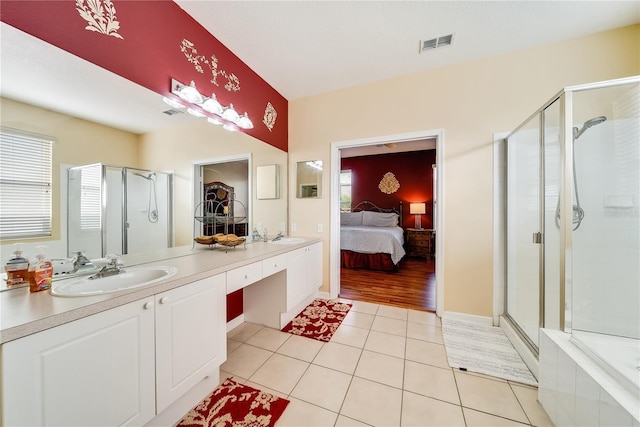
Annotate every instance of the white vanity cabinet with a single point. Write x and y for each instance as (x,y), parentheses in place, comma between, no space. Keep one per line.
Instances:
(99,369)
(118,367)
(190,336)
(304,273)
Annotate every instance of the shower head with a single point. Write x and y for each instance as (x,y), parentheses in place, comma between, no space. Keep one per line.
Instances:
(147,177)
(589,123)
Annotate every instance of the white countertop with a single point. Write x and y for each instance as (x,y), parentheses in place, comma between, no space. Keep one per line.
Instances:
(23,313)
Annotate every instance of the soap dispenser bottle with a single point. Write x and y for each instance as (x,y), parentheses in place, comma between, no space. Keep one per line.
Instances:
(40,272)
(17,268)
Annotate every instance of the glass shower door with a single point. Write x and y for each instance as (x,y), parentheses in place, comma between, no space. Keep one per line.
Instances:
(524,236)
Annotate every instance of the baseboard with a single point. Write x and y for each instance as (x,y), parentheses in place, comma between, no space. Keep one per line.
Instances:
(324,295)
(485,320)
(235,322)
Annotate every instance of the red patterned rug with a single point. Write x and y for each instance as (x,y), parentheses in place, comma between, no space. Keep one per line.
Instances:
(319,320)
(237,405)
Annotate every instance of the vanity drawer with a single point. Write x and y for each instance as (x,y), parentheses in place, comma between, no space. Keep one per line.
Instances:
(274,264)
(244,276)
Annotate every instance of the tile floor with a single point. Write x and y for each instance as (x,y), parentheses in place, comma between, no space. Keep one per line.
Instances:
(385,366)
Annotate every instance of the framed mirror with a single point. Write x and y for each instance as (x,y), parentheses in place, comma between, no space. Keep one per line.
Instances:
(309,179)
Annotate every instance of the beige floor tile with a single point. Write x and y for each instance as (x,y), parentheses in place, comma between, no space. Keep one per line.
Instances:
(480,419)
(350,335)
(340,357)
(269,339)
(424,317)
(392,312)
(381,368)
(421,411)
(244,331)
(323,387)
(224,375)
(528,398)
(389,325)
(344,300)
(391,345)
(424,332)
(373,403)
(280,373)
(364,307)
(427,352)
(301,348)
(245,360)
(359,320)
(431,381)
(485,395)
(299,414)
(349,422)
(232,345)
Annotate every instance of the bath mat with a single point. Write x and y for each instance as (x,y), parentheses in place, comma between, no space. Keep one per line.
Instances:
(235,404)
(484,349)
(319,320)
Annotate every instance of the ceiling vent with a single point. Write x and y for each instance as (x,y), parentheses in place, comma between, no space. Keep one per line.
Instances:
(171,112)
(436,43)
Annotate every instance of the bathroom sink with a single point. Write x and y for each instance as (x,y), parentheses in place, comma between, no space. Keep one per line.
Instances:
(130,278)
(287,240)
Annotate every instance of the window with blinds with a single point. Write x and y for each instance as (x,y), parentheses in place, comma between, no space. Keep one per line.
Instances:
(25,184)
(90,203)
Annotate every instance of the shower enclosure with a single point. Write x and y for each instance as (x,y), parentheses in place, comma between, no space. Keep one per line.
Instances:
(573,223)
(118,210)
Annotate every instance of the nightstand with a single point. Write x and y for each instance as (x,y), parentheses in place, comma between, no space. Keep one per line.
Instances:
(419,242)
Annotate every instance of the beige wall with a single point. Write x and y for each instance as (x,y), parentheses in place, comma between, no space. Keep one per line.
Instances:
(471,102)
(78,142)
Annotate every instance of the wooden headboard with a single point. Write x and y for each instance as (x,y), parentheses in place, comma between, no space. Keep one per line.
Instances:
(366,205)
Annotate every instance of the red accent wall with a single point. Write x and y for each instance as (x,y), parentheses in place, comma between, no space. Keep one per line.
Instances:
(149,53)
(413,171)
(235,304)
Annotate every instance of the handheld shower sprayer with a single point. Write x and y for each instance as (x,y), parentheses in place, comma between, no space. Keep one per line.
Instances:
(577,211)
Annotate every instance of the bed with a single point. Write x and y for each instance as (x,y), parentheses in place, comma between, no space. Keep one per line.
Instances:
(371,237)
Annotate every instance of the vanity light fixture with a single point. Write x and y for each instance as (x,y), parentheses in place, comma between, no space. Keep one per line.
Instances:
(210,108)
(316,164)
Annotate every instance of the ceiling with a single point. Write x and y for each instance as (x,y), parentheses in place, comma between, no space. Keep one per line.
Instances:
(303,48)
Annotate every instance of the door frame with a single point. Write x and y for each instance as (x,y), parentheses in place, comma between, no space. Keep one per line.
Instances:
(334,240)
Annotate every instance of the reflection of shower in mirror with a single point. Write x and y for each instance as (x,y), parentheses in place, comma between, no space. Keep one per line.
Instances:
(117,209)
(152,212)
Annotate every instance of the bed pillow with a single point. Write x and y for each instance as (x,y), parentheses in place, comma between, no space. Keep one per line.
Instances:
(351,218)
(379,219)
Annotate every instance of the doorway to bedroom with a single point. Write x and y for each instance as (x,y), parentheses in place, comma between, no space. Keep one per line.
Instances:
(392,195)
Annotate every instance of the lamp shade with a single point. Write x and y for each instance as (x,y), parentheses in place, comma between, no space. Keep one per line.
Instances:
(417,208)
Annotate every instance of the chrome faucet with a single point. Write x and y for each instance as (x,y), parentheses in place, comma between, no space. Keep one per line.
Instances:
(111,269)
(81,262)
(278,236)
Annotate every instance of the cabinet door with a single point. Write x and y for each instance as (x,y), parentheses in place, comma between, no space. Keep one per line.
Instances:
(190,336)
(314,266)
(99,369)
(297,283)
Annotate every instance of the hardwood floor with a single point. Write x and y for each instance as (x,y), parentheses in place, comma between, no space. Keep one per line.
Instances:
(412,286)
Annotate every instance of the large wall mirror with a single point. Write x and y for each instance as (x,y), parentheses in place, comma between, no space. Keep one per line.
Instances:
(309,179)
(99,117)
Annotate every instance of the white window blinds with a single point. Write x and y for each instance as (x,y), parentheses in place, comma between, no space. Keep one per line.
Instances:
(25,184)
(90,203)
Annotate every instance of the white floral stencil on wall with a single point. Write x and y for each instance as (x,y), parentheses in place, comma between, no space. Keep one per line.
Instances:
(100,16)
(191,53)
(270,116)
(389,184)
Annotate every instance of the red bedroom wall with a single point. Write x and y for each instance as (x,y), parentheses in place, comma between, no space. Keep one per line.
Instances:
(413,171)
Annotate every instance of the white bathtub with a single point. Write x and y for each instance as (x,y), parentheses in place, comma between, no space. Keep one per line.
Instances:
(576,390)
(618,356)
